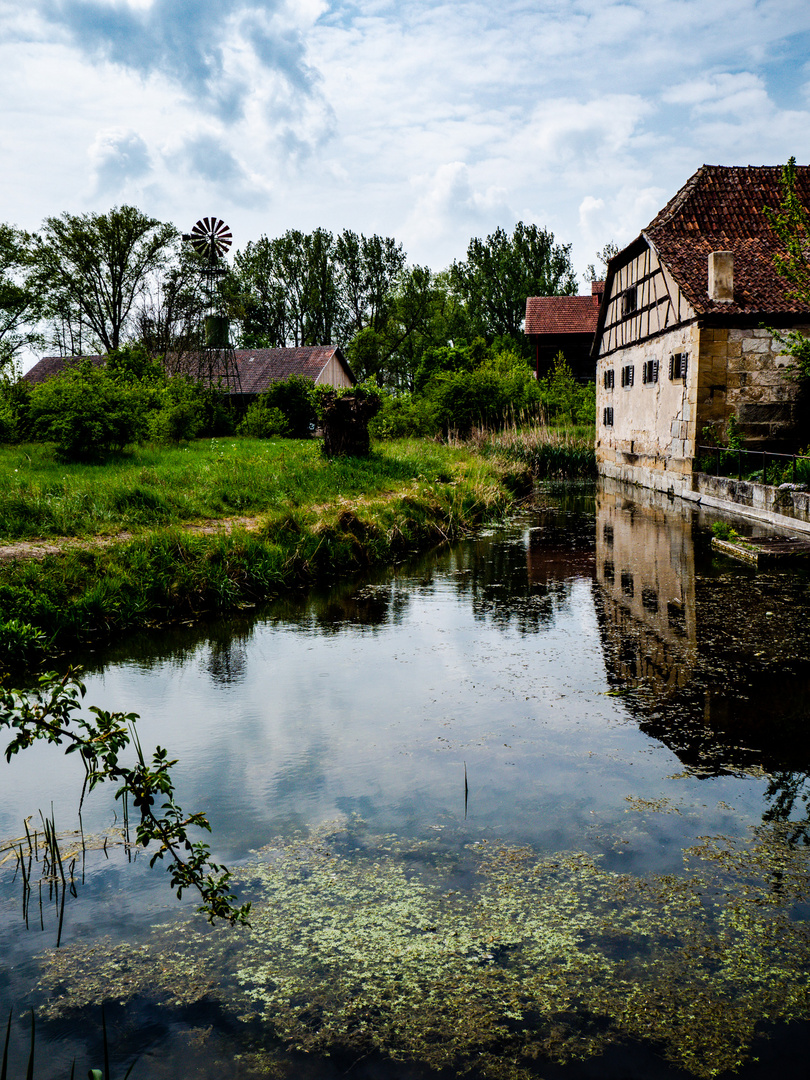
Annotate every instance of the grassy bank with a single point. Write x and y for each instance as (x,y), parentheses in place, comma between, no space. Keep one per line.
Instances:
(316,521)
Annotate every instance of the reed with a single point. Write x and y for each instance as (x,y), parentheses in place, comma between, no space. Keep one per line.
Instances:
(551,453)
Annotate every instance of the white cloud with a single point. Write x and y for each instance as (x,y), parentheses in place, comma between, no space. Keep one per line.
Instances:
(117,156)
(428,120)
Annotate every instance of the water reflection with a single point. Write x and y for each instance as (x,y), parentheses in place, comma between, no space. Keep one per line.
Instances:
(714,655)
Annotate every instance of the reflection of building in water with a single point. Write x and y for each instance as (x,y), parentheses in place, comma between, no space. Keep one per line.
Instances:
(227,660)
(645,570)
(715,654)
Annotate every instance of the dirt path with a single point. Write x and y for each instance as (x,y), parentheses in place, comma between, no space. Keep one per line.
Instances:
(21,550)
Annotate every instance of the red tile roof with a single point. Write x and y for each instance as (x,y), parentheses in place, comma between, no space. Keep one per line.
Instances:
(257,368)
(720,208)
(561,314)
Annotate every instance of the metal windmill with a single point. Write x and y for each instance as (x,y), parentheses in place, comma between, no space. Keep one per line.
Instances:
(211,238)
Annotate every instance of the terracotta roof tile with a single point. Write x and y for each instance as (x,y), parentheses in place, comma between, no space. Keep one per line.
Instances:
(561,314)
(720,208)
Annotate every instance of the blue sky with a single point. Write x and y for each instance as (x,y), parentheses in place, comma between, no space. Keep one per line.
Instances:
(431,122)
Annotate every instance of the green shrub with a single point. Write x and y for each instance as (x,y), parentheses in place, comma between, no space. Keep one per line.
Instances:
(87,413)
(564,399)
(15,402)
(404,416)
(264,421)
(295,399)
(179,411)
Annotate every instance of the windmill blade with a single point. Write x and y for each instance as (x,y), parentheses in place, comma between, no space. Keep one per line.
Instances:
(210,238)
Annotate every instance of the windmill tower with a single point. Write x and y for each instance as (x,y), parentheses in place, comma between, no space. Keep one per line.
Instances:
(215,362)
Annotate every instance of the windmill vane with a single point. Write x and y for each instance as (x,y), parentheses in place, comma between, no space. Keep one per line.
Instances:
(210,238)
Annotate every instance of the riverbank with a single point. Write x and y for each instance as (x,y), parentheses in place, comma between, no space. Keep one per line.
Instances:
(113,563)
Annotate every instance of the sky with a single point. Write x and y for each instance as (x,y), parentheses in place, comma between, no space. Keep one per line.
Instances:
(430,122)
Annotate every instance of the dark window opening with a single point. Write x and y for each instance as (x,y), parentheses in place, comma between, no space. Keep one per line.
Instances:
(677,365)
(649,372)
(628,375)
(629,300)
(607,417)
(609,379)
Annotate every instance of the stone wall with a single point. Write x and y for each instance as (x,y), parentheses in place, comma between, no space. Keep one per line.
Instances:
(742,372)
(654,424)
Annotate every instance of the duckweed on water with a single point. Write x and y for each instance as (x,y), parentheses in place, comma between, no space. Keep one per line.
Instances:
(376,945)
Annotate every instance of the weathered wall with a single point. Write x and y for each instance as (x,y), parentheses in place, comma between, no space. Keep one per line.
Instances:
(654,425)
(334,374)
(743,372)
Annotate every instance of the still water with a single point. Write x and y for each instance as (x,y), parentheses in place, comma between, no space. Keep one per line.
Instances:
(535,805)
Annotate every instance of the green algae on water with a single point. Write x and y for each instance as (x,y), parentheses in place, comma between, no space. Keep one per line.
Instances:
(492,960)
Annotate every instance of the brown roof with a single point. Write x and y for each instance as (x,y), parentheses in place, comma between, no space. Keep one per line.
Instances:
(49,366)
(720,208)
(257,368)
(561,314)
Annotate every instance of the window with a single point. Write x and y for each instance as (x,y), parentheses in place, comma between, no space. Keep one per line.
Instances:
(677,366)
(609,379)
(649,373)
(629,300)
(628,375)
(627,583)
(607,417)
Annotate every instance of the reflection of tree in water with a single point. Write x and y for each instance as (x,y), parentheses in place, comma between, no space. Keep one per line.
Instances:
(788,794)
(227,659)
(346,606)
(522,579)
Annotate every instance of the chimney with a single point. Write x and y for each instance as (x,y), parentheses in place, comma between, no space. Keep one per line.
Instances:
(721,276)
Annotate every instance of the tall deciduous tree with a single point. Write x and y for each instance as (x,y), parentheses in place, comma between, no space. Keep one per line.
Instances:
(19,298)
(94,268)
(500,272)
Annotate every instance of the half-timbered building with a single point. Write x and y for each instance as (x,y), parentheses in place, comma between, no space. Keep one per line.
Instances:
(685,335)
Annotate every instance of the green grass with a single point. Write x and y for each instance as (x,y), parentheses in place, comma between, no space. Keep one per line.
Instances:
(551,453)
(318,521)
(155,486)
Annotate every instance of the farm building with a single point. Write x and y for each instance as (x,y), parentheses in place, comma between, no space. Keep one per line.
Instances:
(245,374)
(685,338)
(564,324)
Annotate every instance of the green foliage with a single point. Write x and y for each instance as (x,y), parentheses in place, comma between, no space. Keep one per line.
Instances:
(501,271)
(790,221)
(20,300)
(564,399)
(21,645)
(49,713)
(724,531)
(404,415)
(448,358)
(179,410)
(87,413)
(15,401)
(294,399)
(93,268)
(264,421)
(551,453)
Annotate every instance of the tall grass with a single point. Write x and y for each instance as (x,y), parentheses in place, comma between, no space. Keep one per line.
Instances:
(551,453)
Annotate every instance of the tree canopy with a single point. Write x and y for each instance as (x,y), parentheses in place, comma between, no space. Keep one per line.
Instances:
(92,268)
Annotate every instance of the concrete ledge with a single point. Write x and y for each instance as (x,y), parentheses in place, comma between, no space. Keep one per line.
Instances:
(788,510)
(756,502)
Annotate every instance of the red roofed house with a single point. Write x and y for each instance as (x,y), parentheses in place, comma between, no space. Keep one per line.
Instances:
(564,324)
(251,371)
(682,342)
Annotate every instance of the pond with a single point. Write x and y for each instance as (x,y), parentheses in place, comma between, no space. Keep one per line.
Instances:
(534,805)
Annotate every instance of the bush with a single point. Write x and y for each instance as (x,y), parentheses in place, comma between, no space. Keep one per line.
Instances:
(404,416)
(15,401)
(264,421)
(295,399)
(179,411)
(87,413)
(564,399)
(500,392)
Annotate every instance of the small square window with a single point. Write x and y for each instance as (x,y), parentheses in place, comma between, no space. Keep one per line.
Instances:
(628,375)
(649,373)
